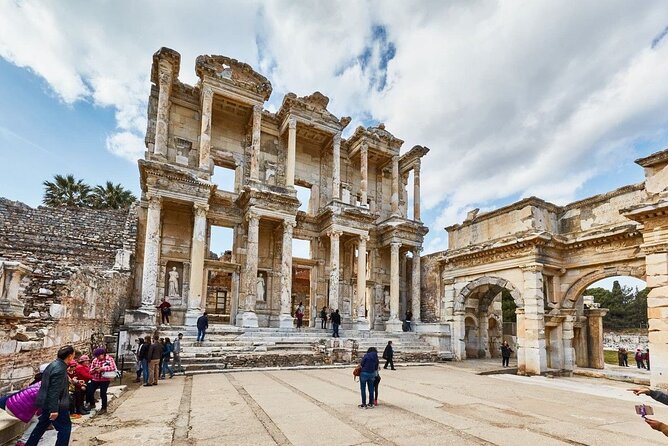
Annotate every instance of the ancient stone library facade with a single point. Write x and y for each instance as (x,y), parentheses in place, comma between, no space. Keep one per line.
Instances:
(69,273)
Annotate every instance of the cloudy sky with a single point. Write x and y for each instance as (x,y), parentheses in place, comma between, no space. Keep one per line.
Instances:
(514,98)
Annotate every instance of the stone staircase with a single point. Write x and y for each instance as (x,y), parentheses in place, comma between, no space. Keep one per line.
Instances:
(228,347)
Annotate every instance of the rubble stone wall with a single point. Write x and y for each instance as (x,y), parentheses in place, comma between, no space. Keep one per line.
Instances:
(78,287)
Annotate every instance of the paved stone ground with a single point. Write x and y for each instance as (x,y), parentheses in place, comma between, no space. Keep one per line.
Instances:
(441,404)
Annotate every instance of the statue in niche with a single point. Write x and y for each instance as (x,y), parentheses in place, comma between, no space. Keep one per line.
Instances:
(173,289)
(386,303)
(259,286)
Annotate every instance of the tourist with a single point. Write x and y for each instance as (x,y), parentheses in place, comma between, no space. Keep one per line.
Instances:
(84,362)
(18,413)
(167,350)
(177,353)
(21,404)
(659,396)
(323,318)
(53,400)
(135,350)
(638,358)
(369,365)
(165,311)
(625,357)
(299,314)
(407,321)
(77,390)
(388,356)
(202,325)
(506,351)
(645,358)
(619,356)
(142,356)
(103,369)
(153,356)
(162,351)
(336,321)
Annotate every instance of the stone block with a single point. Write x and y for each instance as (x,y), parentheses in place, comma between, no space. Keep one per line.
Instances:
(7,347)
(57,311)
(30,345)
(45,292)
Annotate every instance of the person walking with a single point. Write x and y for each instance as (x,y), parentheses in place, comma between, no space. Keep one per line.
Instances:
(102,369)
(202,325)
(388,356)
(625,357)
(336,321)
(142,356)
(619,357)
(153,356)
(638,357)
(369,365)
(506,351)
(167,350)
(138,365)
(323,318)
(177,353)
(299,314)
(165,311)
(54,401)
(645,358)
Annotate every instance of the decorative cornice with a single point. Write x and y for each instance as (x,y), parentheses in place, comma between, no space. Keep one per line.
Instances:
(237,73)
(653,159)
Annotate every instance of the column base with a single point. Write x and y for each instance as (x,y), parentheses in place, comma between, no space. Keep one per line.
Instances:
(191,317)
(286,321)
(363,324)
(249,319)
(393,325)
(141,317)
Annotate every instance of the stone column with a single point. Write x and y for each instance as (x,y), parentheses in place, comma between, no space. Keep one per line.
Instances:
(165,77)
(249,318)
(483,335)
(459,336)
(292,150)
(595,338)
(394,324)
(568,333)
(415,289)
(364,170)
(151,254)
(656,264)
(11,275)
(255,143)
(336,166)
(519,348)
(285,318)
(403,292)
(196,295)
(416,192)
(535,355)
(394,199)
(334,269)
(362,321)
(205,131)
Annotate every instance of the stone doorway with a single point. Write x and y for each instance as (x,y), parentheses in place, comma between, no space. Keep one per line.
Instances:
(219,296)
(301,292)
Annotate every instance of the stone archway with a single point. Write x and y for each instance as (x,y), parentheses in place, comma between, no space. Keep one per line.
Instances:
(577,288)
(494,284)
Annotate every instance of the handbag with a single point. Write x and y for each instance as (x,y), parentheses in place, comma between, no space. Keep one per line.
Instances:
(111,375)
(357,371)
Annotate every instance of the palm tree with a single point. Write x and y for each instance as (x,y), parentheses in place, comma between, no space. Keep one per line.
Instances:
(112,196)
(66,191)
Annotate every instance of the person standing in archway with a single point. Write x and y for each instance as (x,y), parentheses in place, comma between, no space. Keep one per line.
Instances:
(506,351)
(639,360)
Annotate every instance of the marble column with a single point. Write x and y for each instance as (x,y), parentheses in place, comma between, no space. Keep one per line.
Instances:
(334,269)
(255,143)
(394,199)
(336,166)
(394,324)
(595,338)
(196,295)
(364,170)
(165,77)
(535,354)
(292,150)
(11,275)
(459,335)
(416,192)
(519,347)
(249,318)
(415,289)
(205,131)
(656,265)
(149,288)
(362,321)
(568,334)
(285,318)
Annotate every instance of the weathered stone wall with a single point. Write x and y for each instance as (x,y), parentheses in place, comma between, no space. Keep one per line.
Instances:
(80,280)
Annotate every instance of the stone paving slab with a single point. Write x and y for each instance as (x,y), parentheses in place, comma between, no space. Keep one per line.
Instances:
(429,405)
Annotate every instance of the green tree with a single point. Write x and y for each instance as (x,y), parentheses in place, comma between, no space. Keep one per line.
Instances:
(508,307)
(112,196)
(65,190)
(627,308)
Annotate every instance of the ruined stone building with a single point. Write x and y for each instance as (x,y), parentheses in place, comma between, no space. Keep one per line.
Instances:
(364,240)
(544,256)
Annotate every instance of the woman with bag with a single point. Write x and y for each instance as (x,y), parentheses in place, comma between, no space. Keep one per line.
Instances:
(103,369)
(369,367)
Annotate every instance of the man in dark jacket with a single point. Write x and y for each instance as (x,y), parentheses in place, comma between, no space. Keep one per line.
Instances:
(388,355)
(202,325)
(154,355)
(336,321)
(142,355)
(54,400)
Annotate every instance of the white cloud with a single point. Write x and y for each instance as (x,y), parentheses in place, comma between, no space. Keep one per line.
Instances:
(514,99)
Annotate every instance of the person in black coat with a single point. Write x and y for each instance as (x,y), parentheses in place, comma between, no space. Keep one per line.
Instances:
(54,400)
(202,325)
(505,353)
(388,356)
(336,321)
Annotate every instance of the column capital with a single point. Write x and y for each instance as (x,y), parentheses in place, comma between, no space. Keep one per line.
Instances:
(154,200)
(257,109)
(334,233)
(336,138)
(292,122)
(417,250)
(364,148)
(200,209)
(416,167)
(289,224)
(364,238)
(250,216)
(532,268)
(207,92)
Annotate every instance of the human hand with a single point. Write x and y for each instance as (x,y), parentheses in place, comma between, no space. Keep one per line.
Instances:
(640,391)
(53,416)
(654,424)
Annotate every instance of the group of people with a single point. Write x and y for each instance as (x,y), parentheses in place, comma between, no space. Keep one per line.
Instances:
(641,357)
(369,374)
(332,316)
(154,356)
(62,390)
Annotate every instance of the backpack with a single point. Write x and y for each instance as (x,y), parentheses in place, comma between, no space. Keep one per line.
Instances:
(357,371)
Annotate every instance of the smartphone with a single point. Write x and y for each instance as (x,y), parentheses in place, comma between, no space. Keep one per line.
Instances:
(643,410)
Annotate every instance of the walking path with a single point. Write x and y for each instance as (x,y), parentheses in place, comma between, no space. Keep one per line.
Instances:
(440,404)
